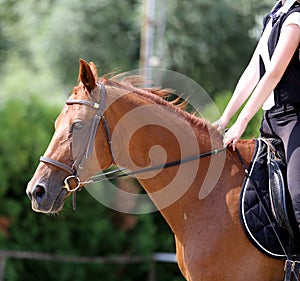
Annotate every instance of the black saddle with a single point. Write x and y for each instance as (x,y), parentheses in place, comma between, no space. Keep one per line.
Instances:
(265,206)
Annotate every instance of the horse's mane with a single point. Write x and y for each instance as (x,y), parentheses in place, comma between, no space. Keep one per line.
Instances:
(135,85)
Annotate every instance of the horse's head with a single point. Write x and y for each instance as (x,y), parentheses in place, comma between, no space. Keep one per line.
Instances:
(60,171)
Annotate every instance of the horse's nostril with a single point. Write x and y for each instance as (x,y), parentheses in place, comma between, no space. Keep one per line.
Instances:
(39,192)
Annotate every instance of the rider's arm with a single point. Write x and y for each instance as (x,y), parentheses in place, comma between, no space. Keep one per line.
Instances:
(287,45)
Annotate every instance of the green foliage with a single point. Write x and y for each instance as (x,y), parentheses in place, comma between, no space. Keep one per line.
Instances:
(212,41)
(209,41)
(61,32)
(25,129)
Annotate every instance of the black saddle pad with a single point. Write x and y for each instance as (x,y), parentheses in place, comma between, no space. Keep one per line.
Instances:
(256,213)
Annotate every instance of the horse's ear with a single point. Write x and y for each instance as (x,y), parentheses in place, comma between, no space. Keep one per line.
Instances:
(86,76)
(94,70)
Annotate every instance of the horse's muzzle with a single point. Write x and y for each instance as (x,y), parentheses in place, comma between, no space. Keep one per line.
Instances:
(44,201)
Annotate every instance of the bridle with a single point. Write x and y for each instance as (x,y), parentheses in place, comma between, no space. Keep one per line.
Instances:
(88,146)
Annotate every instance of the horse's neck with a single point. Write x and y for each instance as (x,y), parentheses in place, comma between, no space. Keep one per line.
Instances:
(146,135)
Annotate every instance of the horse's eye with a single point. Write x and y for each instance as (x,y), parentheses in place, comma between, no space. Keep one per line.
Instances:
(77,125)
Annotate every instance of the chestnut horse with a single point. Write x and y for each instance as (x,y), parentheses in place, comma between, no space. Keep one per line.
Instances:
(201,210)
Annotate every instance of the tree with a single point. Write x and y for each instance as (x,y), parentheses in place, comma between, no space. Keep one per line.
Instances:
(211,41)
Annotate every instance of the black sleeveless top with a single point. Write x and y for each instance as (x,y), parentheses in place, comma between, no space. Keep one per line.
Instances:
(287,90)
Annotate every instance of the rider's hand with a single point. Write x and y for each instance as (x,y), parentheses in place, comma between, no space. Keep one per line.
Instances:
(232,136)
(219,125)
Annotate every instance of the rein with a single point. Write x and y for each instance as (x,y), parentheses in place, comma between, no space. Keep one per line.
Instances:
(115,173)
(88,146)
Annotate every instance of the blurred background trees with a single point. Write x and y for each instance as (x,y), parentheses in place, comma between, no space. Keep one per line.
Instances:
(208,41)
(40,46)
